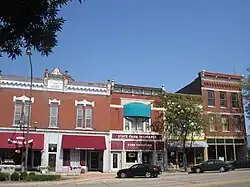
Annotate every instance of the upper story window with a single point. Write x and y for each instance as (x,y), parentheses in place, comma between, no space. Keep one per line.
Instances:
(137,124)
(54,107)
(212,122)
(223,99)
(84,113)
(22,110)
(237,123)
(210,98)
(235,100)
(225,123)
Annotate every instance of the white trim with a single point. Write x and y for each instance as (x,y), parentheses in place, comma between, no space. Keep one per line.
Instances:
(221,81)
(115,106)
(120,106)
(23,99)
(125,101)
(54,101)
(84,103)
(225,113)
(215,89)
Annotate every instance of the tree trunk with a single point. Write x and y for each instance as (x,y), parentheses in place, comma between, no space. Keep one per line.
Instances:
(184,158)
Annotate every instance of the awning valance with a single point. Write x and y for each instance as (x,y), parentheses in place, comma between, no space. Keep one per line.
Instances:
(83,142)
(137,110)
(188,144)
(12,140)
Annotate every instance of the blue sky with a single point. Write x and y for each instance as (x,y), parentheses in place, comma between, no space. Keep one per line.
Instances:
(145,42)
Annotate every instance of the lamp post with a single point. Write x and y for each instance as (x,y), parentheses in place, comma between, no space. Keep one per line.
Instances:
(28,52)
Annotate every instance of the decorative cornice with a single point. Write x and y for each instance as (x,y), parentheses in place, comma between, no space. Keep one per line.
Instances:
(23,99)
(54,101)
(12,84)
(84,103)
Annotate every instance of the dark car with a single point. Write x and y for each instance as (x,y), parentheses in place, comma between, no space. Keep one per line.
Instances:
(140,170)
(240,164)
(212,165)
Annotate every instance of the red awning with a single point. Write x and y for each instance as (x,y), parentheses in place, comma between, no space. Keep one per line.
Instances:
(15,140)
(83,142)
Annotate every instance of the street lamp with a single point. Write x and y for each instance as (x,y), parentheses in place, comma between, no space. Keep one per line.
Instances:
(28,52)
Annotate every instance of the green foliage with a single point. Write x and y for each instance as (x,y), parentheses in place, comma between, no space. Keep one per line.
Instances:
(246,94)
(30,24)
(23,175)
(15,176)
(183,116)
(32,173)
(4,176)
(43,177)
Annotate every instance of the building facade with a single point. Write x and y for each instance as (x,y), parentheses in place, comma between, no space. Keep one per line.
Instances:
(225,130)
(69,127)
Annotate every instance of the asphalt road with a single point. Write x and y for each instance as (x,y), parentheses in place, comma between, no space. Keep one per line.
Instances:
(214,179)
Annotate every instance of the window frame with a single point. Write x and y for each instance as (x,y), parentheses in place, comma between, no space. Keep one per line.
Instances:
(223,100)
(128,124)
(237,99)
(222,124)
(213,123)
(239,128)
(211,99)
(66,157)
(79,106)
(136,156)
(54,104)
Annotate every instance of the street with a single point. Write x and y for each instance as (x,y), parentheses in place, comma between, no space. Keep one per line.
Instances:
(212,179)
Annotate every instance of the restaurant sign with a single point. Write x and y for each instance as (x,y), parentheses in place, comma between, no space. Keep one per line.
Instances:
(137,136)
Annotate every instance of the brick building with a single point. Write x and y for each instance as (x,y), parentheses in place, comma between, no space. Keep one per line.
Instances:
(69,121)
(225,130)
(74,125)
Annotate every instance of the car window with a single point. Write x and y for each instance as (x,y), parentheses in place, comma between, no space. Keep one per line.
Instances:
(134,166)
(142,166)
(209,162)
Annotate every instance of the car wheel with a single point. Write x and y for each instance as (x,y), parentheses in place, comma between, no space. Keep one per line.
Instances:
(123,175)
(198,170)
(147,174)
(222,169)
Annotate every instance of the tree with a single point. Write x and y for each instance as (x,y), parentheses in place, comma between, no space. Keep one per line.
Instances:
(246,93)
(30,24)
(183,119)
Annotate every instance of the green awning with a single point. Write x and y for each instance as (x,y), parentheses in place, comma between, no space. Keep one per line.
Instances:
(136,110)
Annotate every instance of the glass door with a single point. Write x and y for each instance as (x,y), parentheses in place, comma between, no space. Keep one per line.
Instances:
(116,161)
(52,162)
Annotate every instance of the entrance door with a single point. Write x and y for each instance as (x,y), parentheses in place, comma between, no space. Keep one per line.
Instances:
(94,163)
(116,161)
(52,162)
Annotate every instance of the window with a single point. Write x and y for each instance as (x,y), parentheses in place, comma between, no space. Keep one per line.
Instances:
(131,157)
(235,102)
(212,122)
(66,157)
(237,123)
(52,148)
(21,113)
(17,113)
(53,115)
(82,158)
(223,99)
(137,124)
(225,123)
(79,117)
(84,116)
(210,97)
(88,117)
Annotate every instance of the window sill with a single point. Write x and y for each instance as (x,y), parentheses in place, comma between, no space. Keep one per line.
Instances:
(236,108)
(211,106)
(223,107)
(83,128)
(225,131)
(213,131)
(53,127)
(238,131)
(19,126)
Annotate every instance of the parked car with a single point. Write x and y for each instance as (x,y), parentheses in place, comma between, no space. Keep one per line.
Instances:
(212,165)
(237,164)
(140,170)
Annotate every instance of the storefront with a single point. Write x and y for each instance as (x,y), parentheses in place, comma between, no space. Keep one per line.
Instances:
(73,152)
(129,149)
(226,148)
(12,147)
